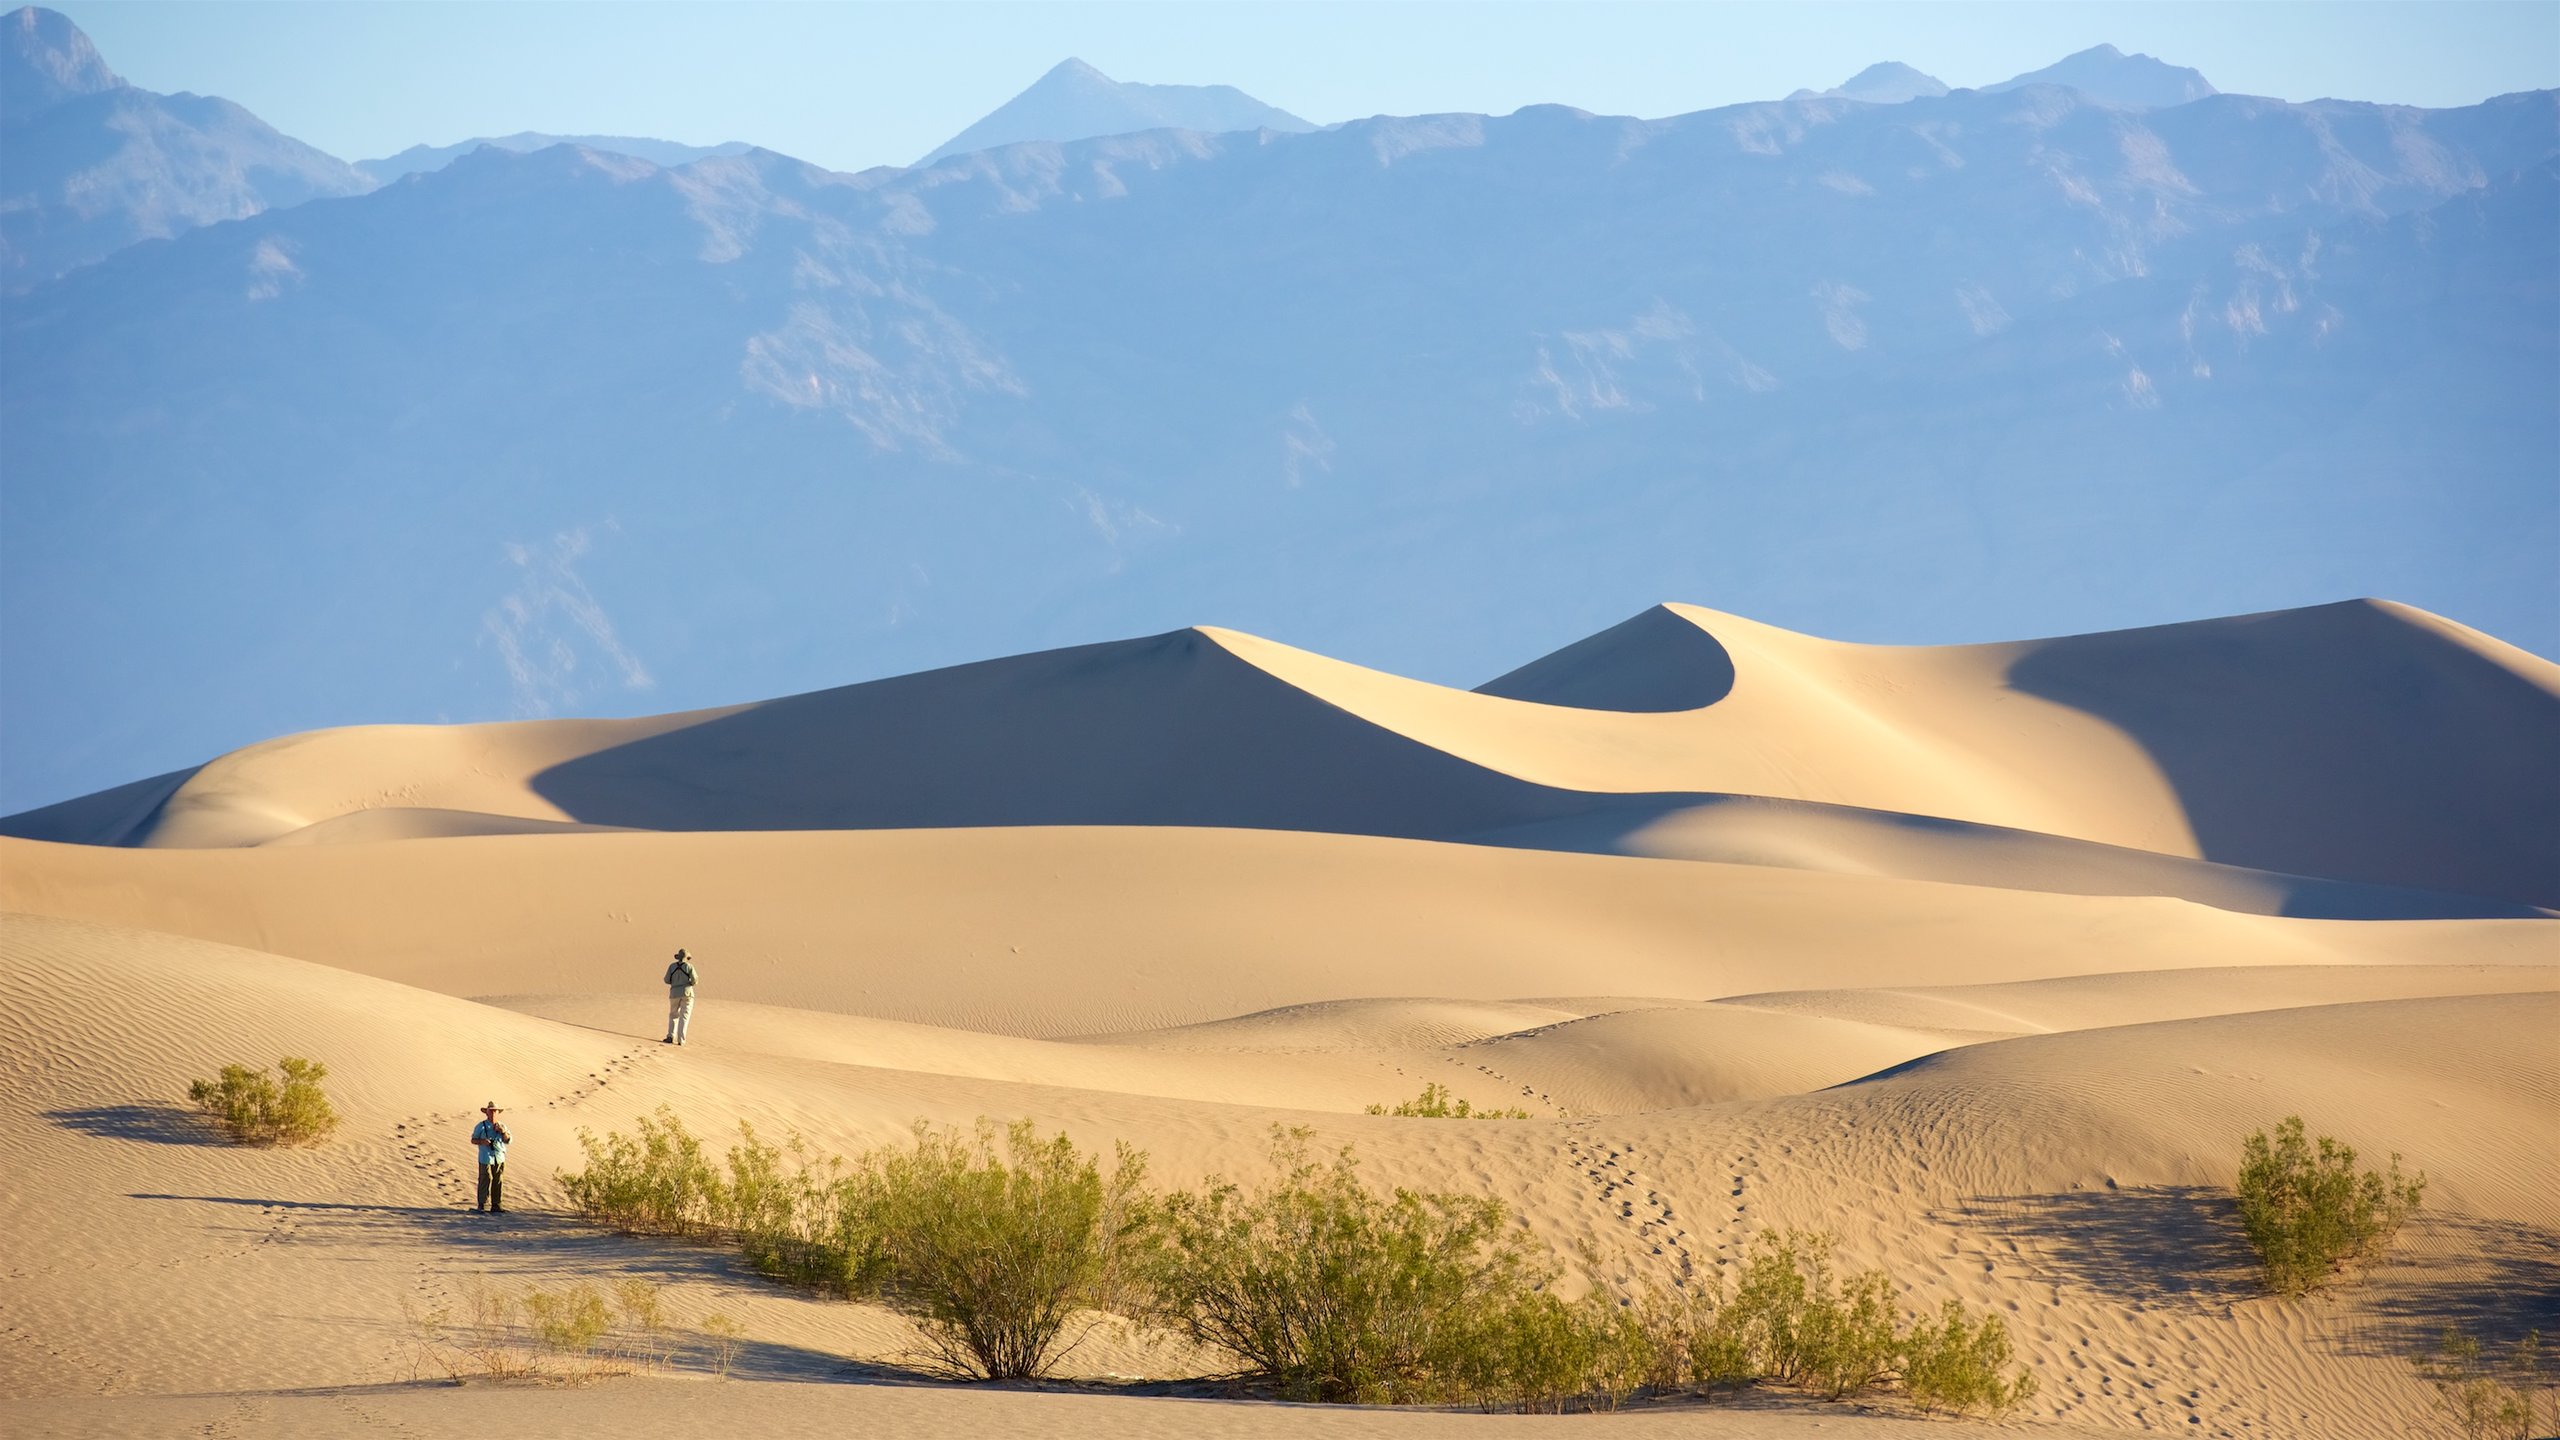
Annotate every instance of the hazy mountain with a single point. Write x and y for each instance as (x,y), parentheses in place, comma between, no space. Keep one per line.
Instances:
(568,432)
(90,165)
(45,60)
(419,158)
(1077,102)
(2104,73)
(1888,83)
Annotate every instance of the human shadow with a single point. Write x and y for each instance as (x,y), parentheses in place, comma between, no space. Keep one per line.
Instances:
(151,1122)
(2153,1245)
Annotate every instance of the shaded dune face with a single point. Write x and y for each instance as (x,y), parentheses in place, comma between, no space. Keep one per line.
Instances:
(1657,661)
(2363,741)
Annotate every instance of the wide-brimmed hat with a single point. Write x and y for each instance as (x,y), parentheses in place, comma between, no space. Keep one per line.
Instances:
(489,1109)
(682,953)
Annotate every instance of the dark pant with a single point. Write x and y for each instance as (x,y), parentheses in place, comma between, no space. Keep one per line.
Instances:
(493,1187)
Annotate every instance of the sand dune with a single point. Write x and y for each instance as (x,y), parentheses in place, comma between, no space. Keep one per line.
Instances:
(2054,1172)
(1050,932)
(1984,957)
(2365,742)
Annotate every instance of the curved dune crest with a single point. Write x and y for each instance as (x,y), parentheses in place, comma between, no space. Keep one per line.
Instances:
(2364,743)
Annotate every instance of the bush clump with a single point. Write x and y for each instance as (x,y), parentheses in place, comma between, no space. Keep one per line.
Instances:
(253,1109)
(1329,1291)
(1002,1246)
(659,1183)
(2310,1212)
(1436,1103)
(993,1255)
(1953,1363)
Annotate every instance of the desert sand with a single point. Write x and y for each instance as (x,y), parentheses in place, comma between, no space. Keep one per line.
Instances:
(1984,957)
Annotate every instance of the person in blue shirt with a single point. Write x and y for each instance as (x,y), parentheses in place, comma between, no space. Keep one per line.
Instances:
(491,1138)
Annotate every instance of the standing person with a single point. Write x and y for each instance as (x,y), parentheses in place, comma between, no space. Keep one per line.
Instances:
(680,982)
(492,1139)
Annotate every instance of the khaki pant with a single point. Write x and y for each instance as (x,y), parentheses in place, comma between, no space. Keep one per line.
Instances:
(679,1014)
(493,1186)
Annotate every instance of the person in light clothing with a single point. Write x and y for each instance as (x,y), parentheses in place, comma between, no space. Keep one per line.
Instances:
(680,982)
(491,1138)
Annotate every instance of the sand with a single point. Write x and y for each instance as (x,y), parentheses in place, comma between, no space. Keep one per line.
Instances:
(1985,958)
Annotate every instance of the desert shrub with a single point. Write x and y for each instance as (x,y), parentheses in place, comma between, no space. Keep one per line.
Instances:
(1953,1363)
(2481,1400)
(640,1315)
(1327,1290)
(659,1183)
(812,1224)
(569,1322)
(1793,1320)
(2310,1212)
(1436,1103)
(253,1109)
(724,1335)
(994,1255)
(1530,1350)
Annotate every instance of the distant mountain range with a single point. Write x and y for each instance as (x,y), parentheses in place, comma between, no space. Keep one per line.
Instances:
(571,432)
(420,158)
(90,165)
(1074,101)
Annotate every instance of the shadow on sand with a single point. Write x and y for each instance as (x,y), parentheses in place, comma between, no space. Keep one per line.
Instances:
(153,1123)
(2181,1246)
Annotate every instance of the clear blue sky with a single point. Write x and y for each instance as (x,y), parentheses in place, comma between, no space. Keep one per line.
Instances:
(852,85)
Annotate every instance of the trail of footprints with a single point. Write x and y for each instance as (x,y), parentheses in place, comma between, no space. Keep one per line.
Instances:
(1610,1171)
(1531,1092)
(426,1141)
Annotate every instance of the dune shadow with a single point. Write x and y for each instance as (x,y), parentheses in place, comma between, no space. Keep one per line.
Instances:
(2156,1245)
(2341,741)
(151,1122)
(1655,663)
(2492,1279)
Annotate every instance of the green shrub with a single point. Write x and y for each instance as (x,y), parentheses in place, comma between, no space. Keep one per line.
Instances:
(814,1225)
(570,1322)
(1529,1350)
(1331,1292)
(253,1109)
(1792,1320)
(1956,1364)
(1435,1103)
(2308,1214)
(993,1255)
(657,1184)
(2481,1400)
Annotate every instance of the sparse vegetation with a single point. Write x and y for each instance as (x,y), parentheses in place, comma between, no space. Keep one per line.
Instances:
(2309,1212)
(1436,1103)
(1954,1363)
(658,1183)
(724,1336)
(580,1331)
(995,1256)
(1003,1247)
(2481,1399)
(253,1109)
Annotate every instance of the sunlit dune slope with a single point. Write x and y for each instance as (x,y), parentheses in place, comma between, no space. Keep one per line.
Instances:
(1061,931)
(2362,742)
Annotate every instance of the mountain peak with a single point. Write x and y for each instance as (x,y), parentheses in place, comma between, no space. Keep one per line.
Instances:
(1887,82)
(2111,77)
(45,60)
(1075,101)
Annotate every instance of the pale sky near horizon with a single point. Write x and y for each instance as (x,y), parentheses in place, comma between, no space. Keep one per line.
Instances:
(854,85)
